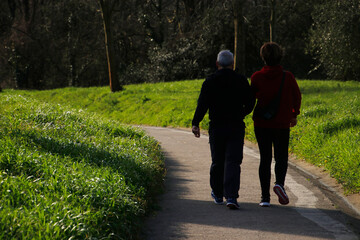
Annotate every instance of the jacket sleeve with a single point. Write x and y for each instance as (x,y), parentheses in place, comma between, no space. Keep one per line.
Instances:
(202,105)
(296,97)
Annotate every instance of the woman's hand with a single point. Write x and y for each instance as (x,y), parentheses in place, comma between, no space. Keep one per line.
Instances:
(293,122)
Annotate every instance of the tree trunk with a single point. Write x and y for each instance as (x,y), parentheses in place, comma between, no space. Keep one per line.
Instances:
(72,76)
(190,11)
(161,22)
(107,7)
(272,20)
(239,41)
(176,23)
(23,14)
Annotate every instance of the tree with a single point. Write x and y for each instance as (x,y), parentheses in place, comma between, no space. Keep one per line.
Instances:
(334,38)
(52,44)
(107,9)
(272,20)
(23,15)
(190,10)
(293,23)
(239,36)
(50,56)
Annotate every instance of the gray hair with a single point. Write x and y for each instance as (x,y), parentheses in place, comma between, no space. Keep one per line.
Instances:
(225,58)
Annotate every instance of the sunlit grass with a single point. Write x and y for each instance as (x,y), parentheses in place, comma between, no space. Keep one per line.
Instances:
(67,174)
(327,134)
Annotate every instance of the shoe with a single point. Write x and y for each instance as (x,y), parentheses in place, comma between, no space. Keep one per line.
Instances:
(232,203)
(264,204)
(280,192)
(217,200)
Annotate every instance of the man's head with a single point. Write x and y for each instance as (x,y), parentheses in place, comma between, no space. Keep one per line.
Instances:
(271,53)
(225,59)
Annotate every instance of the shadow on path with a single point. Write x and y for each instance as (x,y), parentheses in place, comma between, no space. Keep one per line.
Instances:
(187,211)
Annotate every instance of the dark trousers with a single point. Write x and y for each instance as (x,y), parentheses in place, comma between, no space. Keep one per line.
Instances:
(226,145)
(266,138)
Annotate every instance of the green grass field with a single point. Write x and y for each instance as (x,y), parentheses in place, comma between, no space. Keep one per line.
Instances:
(161,104)
(67,174)
(327,134)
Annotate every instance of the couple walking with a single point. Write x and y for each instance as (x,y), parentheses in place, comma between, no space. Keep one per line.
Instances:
(229,98)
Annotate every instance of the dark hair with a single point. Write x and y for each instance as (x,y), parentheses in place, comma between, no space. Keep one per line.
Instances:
(271,53)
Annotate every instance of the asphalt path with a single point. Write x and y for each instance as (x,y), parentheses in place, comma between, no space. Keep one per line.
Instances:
(187,211)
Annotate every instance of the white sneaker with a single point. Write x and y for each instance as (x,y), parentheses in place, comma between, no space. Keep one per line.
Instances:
(264,204)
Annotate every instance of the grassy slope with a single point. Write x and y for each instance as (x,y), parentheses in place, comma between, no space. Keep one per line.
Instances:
(329,129)
(327,133)
(161,104)
(67,174)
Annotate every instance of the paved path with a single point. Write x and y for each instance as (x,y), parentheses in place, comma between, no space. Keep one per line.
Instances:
(187,211)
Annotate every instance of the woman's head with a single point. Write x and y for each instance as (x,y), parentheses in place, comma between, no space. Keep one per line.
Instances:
(271,53)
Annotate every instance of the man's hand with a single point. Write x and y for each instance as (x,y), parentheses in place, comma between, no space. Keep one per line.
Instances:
(196,131)
(293,122)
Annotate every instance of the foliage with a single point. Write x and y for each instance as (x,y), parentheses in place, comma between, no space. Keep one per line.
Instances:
(327,133)
(66,174)
(334,38)
(163,40)
(186,51)
(292,31)
(193,54)
(61,46)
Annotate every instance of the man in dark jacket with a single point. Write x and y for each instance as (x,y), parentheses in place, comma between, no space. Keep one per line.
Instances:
(228,97)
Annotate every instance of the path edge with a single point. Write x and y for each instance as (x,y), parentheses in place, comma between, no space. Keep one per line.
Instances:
(349,204)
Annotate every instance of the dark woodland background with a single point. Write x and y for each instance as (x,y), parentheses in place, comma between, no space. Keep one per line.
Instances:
(52,44)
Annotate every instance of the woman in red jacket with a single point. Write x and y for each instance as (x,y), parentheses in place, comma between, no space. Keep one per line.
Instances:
(275,131)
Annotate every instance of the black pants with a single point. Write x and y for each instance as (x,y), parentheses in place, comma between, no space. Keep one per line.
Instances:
(266,138)
(226,145)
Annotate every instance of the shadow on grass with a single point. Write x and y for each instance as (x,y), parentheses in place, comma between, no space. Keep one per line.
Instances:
(124,163)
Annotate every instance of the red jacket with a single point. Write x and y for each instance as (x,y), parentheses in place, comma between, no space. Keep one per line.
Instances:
(266,84)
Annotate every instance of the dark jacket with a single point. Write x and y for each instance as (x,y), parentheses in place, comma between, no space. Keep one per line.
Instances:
(228,97)
(265,85)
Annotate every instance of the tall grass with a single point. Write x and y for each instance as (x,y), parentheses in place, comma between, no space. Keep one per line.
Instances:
(327,134)
(67,174)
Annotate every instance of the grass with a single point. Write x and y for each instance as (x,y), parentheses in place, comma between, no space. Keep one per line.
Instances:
(70,174)
(67,174)
(327,134)
(161,104)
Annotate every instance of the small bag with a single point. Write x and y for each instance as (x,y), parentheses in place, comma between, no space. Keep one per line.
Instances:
(269,112)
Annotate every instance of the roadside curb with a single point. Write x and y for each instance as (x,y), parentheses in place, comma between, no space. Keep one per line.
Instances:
(324,181)
(337,197)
